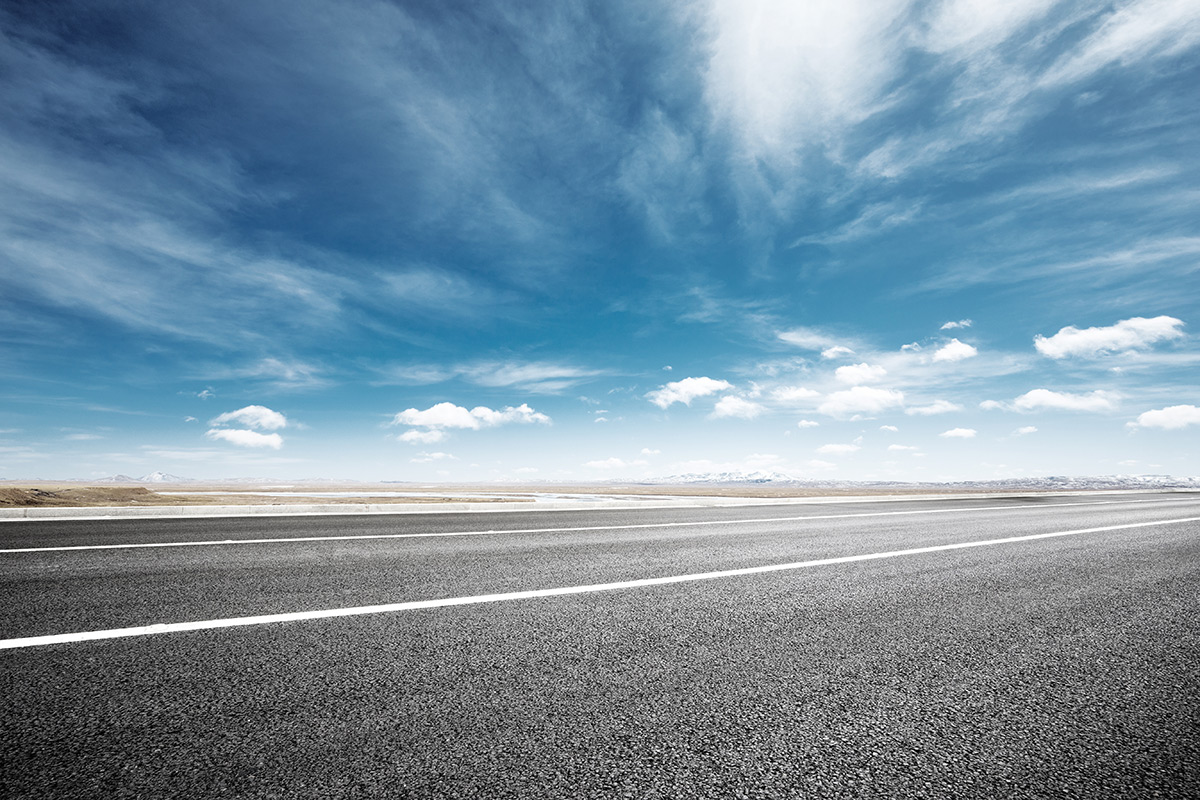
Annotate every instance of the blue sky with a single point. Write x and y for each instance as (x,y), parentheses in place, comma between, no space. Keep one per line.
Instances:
(582,241)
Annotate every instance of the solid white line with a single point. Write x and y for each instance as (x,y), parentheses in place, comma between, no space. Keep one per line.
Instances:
(233,622)
(640,526)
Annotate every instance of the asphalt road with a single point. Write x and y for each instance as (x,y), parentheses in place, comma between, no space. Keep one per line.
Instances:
(1063,666)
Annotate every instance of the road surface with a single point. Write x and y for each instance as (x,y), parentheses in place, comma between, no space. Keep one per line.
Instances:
(990,647)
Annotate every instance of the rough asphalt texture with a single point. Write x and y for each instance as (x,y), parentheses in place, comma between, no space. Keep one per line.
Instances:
(1057,668)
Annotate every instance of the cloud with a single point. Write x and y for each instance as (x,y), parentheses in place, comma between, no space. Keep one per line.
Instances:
(962,323)
(1025,431)
(1037,399)
(1136,333)
(437,418)
(807,423)
(860,373)
(889,428)
(646,451)
(837,351)
(936,407)
(424,458)
(259,417)
(791,394)
(958,433)
(448,415)
(810,339)
(731,406)
(860,400)
(838,449)
(1169,418)
(1136,31)
(954,350)
(541,377)
(246,438)
(614,463)
(422,437)
(901,447)
(686,390)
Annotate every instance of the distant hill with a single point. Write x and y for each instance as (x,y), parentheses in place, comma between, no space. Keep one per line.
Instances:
(1050,483)
(153,477)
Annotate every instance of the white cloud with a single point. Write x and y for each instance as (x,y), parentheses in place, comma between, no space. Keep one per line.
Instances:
(421,437)
(1169,418)
(1138,30)
(1136,333)
(860,373)
(901,447)
(991,405)
(792,394)
(614,463)
(889,428)
(448,415)
(686,390)
(936,407)
(246,438)
(1035,399)
(807,423)
(424,458)
(809,339)
(838,449)
(646,451)
(731,406)
(954,350)
(837,351)
(958,433)
(259,417)
(860,400)
(1025,431)
(962,323)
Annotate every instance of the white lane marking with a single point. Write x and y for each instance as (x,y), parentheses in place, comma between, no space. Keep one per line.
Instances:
(592,528)
(296,616)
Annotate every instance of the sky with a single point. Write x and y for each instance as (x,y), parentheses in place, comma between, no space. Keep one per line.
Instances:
(460,241)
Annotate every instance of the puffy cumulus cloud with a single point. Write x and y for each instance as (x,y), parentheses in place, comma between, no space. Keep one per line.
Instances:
(258,417)
(837,351)
(448,415)
(429,425)
(954,350)
(958,433)
(614,463)
(1169,418)
(686,390)
(246,438)
(860,373)
(807,423)
(838,449)
(936,407)
(860,400)
(962,323)
(1038,399)
(646,451)
(732,406)
(1136,333)
(792,394)
(1025,430)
